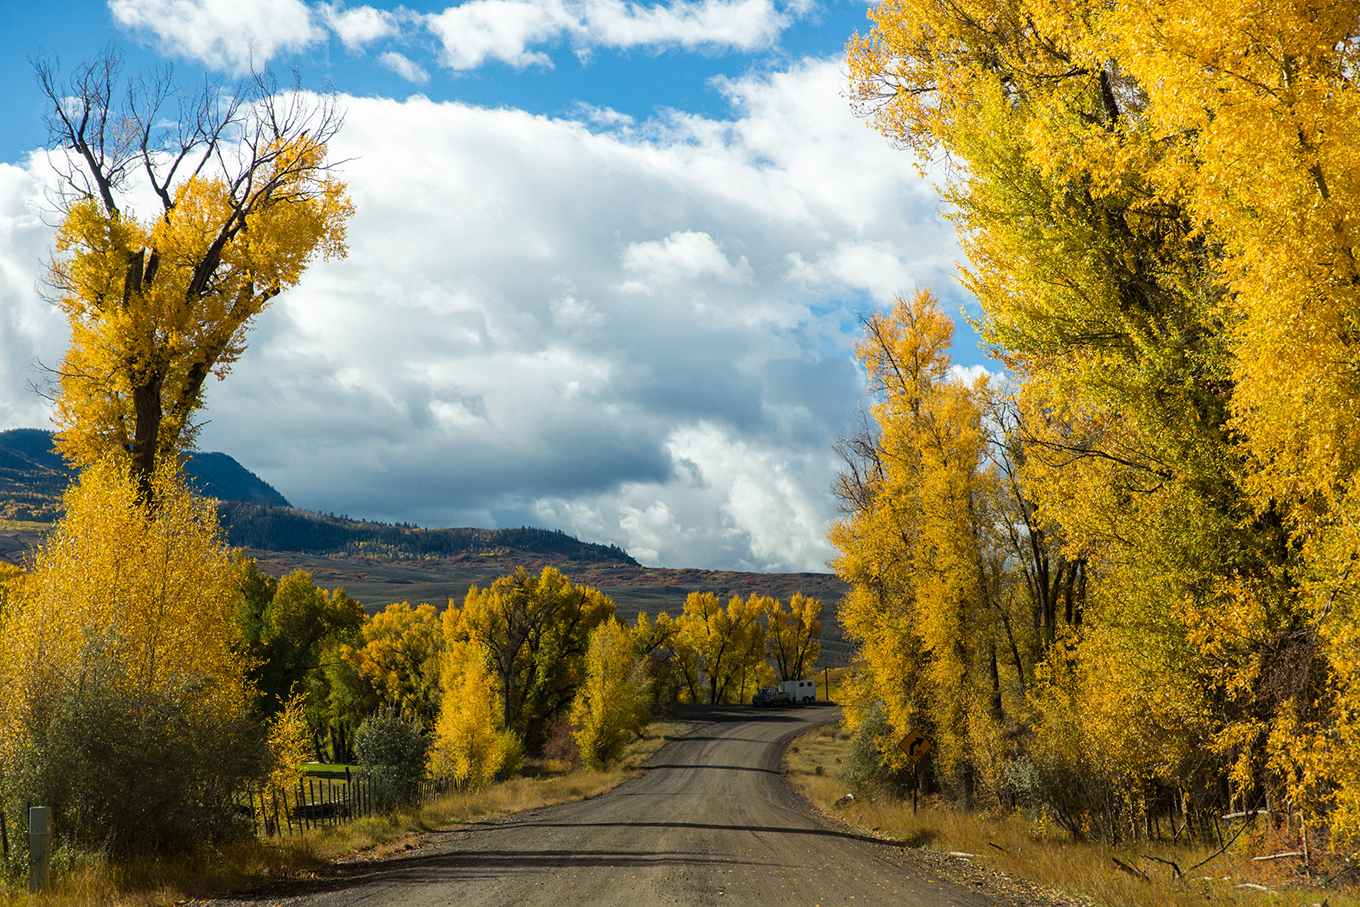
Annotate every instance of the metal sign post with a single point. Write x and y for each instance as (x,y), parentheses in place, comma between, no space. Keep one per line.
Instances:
(39,847)
(915,745)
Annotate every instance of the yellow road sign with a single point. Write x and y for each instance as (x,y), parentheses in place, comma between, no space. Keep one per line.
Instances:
(915,745)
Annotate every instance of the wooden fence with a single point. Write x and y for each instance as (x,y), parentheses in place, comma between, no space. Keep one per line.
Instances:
(322,802)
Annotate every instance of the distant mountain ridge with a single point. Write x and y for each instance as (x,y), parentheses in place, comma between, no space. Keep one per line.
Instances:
(33,477)
(289,529)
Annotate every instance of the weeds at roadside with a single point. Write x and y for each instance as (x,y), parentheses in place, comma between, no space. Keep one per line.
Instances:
(1091,872)
(79,880)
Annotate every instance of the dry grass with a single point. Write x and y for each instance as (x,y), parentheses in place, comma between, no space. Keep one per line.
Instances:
(79,881)
(1013,845)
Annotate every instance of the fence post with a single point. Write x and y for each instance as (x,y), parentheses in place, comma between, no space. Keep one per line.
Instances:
(39,847)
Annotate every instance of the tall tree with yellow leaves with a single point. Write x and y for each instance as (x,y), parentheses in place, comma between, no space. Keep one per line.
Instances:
(614,701)
(726,644)
(535,630)
(245,199)
(941,627)
(1146,208)
(401,658)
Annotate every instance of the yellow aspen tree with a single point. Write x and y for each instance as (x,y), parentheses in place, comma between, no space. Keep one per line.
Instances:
(400,657)
(244,200)
(793,636)
(657,645)
(728,644)
(290,744)
(1105,215)
(613,703)
(470,746)
(932,605)
(535,629)
(123,630)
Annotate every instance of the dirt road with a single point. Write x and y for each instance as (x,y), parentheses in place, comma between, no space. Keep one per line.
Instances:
(711,823)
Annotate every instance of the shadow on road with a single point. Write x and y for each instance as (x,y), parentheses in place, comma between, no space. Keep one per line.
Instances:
(704,826)
(705,768)
(469,865)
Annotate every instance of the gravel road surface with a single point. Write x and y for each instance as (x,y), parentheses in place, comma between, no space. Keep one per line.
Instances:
(712,822)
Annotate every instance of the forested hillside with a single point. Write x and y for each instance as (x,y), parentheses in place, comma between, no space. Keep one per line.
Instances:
(288,529)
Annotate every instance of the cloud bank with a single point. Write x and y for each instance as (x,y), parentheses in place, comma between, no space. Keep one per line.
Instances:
(637,333)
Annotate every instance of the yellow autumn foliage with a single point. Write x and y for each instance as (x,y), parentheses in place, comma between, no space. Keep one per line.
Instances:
(155,306)
(1157,203)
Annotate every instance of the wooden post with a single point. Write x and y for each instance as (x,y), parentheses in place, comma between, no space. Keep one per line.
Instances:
(915,784)
(39,847)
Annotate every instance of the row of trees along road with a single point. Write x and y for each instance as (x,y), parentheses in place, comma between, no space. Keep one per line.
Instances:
(530,664)
(130,705)
(1127,589)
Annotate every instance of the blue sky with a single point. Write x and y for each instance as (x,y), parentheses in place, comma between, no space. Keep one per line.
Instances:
(603,274)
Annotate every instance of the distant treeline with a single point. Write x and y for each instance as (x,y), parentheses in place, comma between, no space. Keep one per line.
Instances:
(289,529)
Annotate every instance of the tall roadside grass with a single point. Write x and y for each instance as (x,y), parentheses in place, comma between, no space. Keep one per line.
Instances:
(80,879)
(1093,873)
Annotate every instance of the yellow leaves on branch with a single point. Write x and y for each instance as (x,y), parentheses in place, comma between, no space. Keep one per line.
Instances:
(1157,201)
(470,746)
(400,657)
(793,636)
(156,306)
(722,650)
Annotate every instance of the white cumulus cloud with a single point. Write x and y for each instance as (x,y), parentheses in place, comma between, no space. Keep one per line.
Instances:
(480,359)
(509,31)
(503,30)
(684,254)
(404,67)
(358,27)
(232,35)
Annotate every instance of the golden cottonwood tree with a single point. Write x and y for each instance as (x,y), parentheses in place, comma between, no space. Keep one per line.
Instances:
(941,627)
(793,636)
(1147,198)
(657,645)
(726,644)
(400,657)
(245,199)
(470,745)
(535,630)
(126,703)
(614,701)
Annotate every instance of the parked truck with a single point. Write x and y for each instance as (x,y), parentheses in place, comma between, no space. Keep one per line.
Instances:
(801,691)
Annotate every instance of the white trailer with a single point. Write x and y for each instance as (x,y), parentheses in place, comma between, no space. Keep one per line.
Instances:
(801,690)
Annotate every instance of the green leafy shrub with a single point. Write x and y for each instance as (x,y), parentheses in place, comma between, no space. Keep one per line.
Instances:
(129,770)
(392,751)
(865,769)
